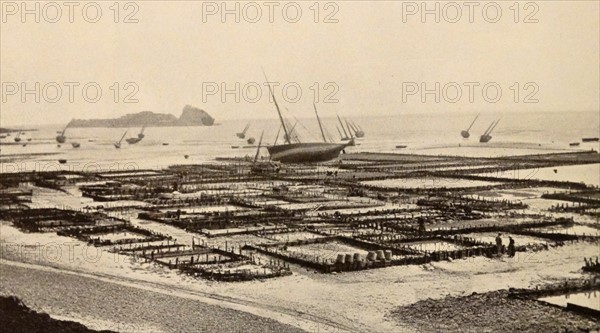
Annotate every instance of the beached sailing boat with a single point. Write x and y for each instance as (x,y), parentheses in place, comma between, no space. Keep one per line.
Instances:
(307,152)
(465,133)
(486,137)
(139,138)
(118,143)
(61,138)
(242,134)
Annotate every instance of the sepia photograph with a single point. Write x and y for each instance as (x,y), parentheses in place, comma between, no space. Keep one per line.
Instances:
(313,166)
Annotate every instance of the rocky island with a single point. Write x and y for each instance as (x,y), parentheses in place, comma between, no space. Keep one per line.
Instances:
(191,116)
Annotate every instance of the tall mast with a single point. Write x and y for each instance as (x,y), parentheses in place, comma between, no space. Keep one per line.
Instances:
(287,135)
(292,132)
(122,137)
(496,124)
(258,148)
(487,131)
(277,137)
(342,124)
(338,128)
(320,126)
(349,130)
(472,123)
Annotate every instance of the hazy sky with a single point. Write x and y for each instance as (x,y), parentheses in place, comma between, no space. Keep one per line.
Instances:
(177,50)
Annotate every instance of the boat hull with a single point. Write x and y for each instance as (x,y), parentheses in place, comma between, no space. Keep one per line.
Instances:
(485,138)
(305,152)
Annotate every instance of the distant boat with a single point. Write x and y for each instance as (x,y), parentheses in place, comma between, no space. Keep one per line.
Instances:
(118,143)
(24,145)
(133,141)
(18,137)
(465,133)
(75,144)
(302,152)
(235,147)
(165,144)
(141,133)
(486,137)
(62,161)
(401,146)
(28,139)
(186,156)
(242,134)
(574,144)
(590,139)
(61,138)
(251,141)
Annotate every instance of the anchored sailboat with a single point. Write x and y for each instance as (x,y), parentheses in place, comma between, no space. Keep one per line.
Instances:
(465,133)
(301,152)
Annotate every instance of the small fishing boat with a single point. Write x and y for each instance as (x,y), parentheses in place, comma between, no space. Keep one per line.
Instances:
(401,146)
(75,144)
(62,161)
(251,141)
(18,137)
(574,144)
(186,156)
(590,139)
(165,144)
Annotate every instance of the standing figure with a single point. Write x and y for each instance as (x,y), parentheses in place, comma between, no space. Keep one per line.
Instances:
(511,247)
(499,244)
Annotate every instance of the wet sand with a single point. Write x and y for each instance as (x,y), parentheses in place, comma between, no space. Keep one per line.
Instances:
(113,306)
